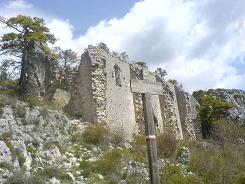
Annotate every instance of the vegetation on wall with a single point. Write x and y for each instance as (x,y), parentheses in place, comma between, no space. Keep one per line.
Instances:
(210,111)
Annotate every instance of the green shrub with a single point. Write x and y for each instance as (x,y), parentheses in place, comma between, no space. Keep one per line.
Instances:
(227,132)
(218,164)
(173,174)
(94,179)
(209,111)
(166,144)
(11,88)
(10,92)
(35,142)
(31,150)
(6,100)
(20,177)
(118,136)
(110,162)
(19,111)
(139,150)
(6,165)
(96,134)
(9,83)
(86,168)
(56,172)
(32,101)
(48,145)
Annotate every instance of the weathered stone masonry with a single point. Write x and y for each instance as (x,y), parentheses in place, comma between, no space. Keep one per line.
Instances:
(101,93)
(187,110)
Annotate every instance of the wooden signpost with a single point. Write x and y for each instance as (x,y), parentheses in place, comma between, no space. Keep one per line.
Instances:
(147,89)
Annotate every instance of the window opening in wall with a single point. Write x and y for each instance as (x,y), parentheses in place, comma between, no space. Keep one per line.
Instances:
(118,75)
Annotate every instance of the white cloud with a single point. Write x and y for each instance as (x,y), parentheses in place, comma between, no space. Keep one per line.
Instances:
(197,41)
(15,7)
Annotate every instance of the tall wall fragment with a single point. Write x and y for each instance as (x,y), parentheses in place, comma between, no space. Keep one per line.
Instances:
(188,113)
(170,110)
(139,72)
(37,75)
(102,93)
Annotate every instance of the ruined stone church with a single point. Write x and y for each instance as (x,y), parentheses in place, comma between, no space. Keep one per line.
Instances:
(101,93)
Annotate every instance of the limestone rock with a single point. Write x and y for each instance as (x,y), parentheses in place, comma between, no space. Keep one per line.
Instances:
(70,176)
(233,96)
(61,97)
(54,181)
(184,156)
(6,155)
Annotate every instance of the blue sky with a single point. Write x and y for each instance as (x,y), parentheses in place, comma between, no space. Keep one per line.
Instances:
(83,13)
(199,43)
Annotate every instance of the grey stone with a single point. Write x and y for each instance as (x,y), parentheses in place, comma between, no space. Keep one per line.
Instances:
(187,106)
(6,155)
(61,97)
(70,176)
(184,156)
(233,96)
(54,181)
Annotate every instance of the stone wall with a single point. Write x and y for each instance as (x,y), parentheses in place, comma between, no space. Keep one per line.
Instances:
(119,99)
(188,112)
(155,103)
(101,93)
(139,72)
(81,102)
(170,110)
(136,72)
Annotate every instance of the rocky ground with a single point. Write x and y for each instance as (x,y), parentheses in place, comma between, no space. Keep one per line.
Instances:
(39,145)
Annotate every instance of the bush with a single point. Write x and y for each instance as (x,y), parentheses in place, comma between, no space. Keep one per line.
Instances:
(86,168)
(96,134)
(139,148)
(19,111)
(56,172)
(94,179)
(50,144)
(10,88)
(228,132)
(173,174)
(209,111)
(166,144)
(32,101)
(218,164)
(6,100)
(118,136)
(110,162)
(20,177)
(9,83)
(31,150)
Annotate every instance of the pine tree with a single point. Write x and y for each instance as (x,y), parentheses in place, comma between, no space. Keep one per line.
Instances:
(27,33)
(68,61)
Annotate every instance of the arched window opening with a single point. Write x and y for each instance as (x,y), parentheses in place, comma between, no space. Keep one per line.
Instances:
(118,75)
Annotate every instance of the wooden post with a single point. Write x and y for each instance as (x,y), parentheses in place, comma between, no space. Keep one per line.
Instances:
(147,88)
(151,139)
